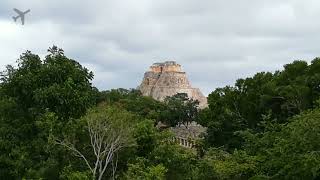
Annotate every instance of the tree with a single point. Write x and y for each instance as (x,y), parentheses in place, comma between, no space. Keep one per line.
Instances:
(219,164)
(109,130)
(29,92)
(58,84)
(141,170)
(178,161)
(180,110)
(279,95)
(133,101)
(290,151)
(147,137)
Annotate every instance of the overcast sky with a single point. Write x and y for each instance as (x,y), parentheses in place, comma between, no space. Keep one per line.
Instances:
(215,41)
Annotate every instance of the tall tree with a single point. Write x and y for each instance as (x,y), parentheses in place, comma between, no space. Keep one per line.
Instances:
(245,105)
(287,151)
(28,93)
(180,110)
(109,130)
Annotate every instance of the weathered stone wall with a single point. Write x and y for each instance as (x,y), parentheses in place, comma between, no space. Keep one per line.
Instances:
(167,79)
(168,66)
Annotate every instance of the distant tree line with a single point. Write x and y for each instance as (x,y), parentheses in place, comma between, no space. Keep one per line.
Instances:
(54,124)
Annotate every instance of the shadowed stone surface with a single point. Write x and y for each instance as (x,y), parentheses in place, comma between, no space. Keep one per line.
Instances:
(167,79)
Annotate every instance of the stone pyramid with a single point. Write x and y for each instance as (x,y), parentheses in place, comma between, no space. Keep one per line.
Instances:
(167,79)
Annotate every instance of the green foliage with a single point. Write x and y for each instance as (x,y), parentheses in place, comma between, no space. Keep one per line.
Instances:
(29,94)
(264,127)
(58,84)
(109,130)
(180,109)
(281,151)
(219,164)
(180,162)
(69,174)
(116,120)
(140,170)
(146,137)
(279,95)
(155,149)
(293,151)
(133,101)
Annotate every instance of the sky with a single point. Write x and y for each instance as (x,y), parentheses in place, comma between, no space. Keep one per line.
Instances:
(215,41)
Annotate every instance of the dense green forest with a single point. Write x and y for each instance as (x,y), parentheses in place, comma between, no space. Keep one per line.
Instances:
(54,124)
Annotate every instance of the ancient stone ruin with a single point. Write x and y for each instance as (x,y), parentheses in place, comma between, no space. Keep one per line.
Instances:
(187,136)
(167,79)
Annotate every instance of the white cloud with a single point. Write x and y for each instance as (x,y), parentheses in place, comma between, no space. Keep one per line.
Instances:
(216,41)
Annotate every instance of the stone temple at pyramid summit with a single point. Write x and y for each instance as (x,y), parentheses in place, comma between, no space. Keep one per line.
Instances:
(167,79)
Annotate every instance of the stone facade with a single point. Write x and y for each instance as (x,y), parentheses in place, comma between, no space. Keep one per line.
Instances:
(187,136)
(167,79)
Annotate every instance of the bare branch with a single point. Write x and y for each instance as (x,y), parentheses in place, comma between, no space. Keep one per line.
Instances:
(72,148)
(107,136)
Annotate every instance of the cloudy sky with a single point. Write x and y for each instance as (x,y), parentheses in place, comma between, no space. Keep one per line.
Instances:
(215,41)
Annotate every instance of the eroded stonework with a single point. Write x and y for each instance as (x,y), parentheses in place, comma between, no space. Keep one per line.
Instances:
(167,79)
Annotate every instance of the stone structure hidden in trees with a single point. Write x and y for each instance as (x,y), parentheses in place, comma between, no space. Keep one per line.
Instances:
(187,136)
(167,79)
